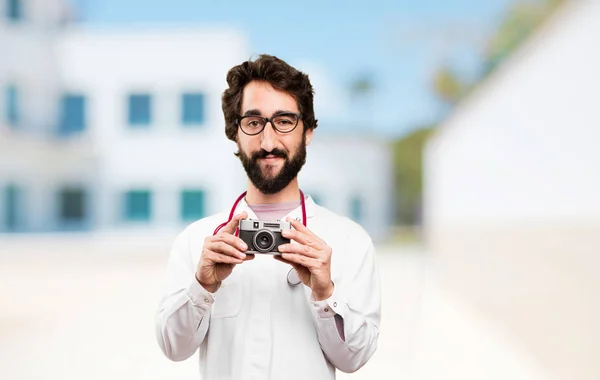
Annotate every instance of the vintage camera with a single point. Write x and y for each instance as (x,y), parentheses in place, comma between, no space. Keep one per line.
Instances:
(263,236)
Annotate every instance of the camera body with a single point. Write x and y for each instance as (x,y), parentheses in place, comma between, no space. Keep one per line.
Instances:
(263,236)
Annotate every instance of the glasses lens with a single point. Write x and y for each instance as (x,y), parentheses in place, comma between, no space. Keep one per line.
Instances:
(285,122)
(252,124)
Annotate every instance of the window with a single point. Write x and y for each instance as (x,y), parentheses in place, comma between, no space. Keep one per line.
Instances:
(73,118)
(356,209)
(12,106)
(72,203)
(11,207)
(192,112)
(137,205)
(192,205)
(14,10)
(140,106)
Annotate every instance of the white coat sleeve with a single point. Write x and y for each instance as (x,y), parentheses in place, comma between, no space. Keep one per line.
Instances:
(183,314)
(356,303)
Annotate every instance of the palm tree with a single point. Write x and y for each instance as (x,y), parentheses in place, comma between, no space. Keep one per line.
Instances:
(361,91)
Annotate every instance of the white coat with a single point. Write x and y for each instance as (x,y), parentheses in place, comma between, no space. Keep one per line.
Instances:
(257,326)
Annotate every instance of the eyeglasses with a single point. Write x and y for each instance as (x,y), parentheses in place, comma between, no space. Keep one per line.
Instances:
(283,122)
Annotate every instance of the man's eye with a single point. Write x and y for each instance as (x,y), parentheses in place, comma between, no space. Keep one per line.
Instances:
(284,121)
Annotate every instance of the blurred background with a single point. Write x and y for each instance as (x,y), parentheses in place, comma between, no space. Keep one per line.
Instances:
(461,134)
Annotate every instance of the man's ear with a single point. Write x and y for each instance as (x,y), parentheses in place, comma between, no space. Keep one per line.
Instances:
(308,133)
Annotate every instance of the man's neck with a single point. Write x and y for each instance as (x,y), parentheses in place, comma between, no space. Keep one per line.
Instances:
(289,194)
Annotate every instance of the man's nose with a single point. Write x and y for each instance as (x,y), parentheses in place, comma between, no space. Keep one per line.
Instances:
(268,140)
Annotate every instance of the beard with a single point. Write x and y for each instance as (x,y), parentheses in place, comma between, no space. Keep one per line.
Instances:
(271,184)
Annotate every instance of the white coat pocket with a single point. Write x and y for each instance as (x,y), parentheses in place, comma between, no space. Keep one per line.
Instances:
(228,300)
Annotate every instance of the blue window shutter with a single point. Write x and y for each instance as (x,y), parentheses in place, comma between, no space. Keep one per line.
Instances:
(137,205)
(140,109)
(356,209)
(12,106)
(11,207)
(14,10)
(72,205)
(193,109)
(192,205)
(73,114)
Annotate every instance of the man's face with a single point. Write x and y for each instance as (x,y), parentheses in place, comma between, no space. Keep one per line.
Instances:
(271,159)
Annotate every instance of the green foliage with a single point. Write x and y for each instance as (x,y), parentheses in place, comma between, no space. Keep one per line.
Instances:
(519,22)
(448,86)
(361,86)
(408,163)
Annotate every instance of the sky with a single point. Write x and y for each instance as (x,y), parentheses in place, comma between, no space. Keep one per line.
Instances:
(398,44)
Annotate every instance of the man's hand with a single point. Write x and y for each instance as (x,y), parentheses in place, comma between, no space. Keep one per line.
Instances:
(311,258)
(220,254)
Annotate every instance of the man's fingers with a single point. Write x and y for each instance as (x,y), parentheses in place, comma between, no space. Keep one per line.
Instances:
(299,227)
(233,223)
(219,258)
(299,249)
(232,240)
(294,258)
(301,237)
(226,249)
(296,224)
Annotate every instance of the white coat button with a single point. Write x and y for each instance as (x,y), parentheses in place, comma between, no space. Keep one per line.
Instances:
(335,304)
(326,310)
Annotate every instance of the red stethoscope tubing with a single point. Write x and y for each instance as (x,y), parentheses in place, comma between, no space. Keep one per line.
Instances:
(239,199)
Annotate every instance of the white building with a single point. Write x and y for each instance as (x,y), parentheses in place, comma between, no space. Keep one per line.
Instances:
(104,129)
(512,197)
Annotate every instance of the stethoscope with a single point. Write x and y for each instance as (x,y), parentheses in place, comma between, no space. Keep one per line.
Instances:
(292,276)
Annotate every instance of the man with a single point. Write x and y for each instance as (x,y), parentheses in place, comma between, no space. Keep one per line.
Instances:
(250,315)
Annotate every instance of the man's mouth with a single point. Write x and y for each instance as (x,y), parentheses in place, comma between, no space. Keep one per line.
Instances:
(271,158)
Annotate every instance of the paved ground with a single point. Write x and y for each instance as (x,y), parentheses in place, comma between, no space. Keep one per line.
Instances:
(78,308)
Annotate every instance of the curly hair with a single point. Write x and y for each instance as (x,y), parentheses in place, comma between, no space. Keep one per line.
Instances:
(276,72)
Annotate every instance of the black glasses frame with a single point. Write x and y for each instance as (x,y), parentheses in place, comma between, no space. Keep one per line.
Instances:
(269,120)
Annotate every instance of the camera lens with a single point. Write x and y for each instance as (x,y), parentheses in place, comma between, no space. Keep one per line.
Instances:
(264,241)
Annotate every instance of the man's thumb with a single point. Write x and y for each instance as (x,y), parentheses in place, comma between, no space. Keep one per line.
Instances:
(233,223)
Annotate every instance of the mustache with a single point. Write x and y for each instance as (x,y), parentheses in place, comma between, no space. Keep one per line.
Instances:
(263,154)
